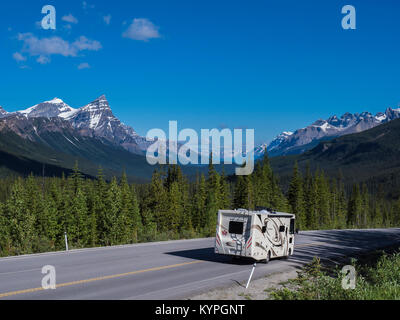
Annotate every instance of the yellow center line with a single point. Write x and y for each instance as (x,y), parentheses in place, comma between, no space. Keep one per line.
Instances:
(66,284)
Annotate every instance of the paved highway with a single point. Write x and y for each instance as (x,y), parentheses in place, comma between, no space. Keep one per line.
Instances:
(167,270)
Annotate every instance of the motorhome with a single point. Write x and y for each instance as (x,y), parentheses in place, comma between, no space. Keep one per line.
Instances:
(260,235)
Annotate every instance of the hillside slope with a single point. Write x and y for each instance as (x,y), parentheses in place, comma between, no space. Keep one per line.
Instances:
(372,156)
(27,144)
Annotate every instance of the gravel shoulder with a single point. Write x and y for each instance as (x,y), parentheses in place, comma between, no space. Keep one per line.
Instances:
(258,289)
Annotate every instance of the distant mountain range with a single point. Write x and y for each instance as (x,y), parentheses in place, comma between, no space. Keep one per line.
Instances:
(371,156)
(93,120)
(54,135)
(304,139)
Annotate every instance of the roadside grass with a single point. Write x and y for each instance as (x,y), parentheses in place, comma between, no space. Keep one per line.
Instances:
(377,278)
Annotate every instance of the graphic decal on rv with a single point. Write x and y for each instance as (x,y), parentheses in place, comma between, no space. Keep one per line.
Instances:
(254,234)
(273,234)
(260,246)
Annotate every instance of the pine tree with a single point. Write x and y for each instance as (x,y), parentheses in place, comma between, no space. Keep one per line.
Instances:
(99,204)
(135,217)
(79,233)
(354,207)
(200,200)
(263,183)
(378,214)
(175,210)
(241,193)
(22,220)
(296,197)
(225,193)
(50,226)
(364,214)
(214,183)
(396,215)
(341,205)
(113,210)
(211,212)
(125,220)
(322,201)
(4,233)
(309,200)
(157,202)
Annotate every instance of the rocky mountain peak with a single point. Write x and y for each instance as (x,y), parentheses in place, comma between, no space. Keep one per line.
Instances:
(101,103)
(94,120)
(306,138)
(2,112)
(49,109)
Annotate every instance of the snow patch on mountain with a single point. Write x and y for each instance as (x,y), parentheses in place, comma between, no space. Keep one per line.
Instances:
(49,109)
(305,138)
(3,112)
(94,119)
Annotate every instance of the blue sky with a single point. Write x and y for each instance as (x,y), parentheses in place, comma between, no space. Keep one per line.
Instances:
(268,65)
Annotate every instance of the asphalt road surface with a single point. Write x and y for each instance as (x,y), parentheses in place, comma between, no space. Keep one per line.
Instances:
(167,270)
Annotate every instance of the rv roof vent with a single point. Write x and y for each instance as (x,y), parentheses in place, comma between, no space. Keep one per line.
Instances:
(265,208)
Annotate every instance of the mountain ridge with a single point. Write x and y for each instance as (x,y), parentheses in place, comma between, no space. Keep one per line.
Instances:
(371,156)
(304,139)
(95,119)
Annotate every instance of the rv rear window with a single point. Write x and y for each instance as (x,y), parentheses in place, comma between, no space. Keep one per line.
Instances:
(236,227)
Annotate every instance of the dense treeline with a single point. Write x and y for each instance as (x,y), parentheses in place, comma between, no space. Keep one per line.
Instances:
(35,212)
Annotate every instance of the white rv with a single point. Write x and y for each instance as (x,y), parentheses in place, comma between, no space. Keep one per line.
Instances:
(260,235)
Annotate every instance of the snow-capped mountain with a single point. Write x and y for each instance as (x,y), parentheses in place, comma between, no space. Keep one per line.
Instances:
(34,128)
(49,109)
(94,120)
(3,112)
(306,138)
(278,140)
(98,118)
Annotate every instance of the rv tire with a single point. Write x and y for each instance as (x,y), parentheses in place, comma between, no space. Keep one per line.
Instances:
(289,254)
(268,257)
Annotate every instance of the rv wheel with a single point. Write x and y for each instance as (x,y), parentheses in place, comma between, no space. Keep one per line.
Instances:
(268,257)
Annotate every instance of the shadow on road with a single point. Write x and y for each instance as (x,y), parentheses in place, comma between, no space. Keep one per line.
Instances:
(330,245)
(208,254)
(339,245)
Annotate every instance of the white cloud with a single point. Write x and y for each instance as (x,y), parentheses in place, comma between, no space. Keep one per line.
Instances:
(46,47)
(141,29)
(107,19)
(43,60)
(19,57)
(70,18)
(84,43)
(84,65)
(85,5)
